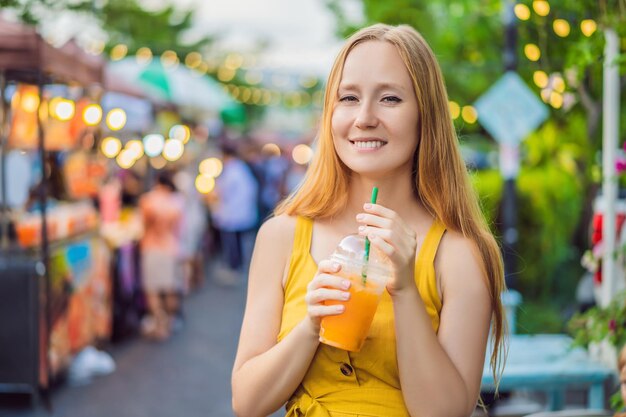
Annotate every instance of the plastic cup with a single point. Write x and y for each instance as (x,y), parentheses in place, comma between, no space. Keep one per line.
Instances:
(349,329)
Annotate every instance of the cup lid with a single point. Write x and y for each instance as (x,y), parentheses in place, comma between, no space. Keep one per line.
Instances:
(351,250)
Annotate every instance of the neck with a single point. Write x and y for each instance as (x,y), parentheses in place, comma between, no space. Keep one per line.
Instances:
(394,192)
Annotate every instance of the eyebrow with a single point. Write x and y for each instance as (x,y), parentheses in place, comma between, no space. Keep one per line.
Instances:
(381,86)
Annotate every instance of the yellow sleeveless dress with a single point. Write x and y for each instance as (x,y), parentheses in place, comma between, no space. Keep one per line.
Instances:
(348,384)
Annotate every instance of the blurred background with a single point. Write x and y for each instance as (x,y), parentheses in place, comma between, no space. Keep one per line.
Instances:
(129,123)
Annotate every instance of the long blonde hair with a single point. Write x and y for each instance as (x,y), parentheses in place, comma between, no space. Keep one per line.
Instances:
(441,180)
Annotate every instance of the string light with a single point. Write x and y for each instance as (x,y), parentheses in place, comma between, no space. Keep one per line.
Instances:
(193,59)
(532,52)
(116,119)
(180,133)
(64,110)
(110,146)
(541,7)
(561,27)
(522,11)
(469,114)
(455,109)
(173,149)
(92,114)
(588,27)
(153,144)
(143,55)
(119,52)
(540,78)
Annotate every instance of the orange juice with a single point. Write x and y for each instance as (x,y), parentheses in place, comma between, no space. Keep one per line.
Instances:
(349,329)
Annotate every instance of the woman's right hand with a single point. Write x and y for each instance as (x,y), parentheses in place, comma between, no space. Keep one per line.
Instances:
(325,294)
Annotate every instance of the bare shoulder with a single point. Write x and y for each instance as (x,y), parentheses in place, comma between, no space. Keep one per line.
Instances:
(273,246)
(278,231)
(458,264)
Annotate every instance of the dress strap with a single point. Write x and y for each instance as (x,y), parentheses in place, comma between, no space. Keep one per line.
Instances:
(303,233)
(428,250)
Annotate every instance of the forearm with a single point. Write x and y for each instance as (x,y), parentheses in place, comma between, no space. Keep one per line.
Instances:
(431,384)
(264,383)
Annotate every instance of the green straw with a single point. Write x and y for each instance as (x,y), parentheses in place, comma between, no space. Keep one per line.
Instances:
(367,241)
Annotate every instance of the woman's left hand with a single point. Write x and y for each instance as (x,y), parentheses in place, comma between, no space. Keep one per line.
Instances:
(392,236)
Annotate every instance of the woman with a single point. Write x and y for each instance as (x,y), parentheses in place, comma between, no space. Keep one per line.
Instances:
(161,210)
(385,123)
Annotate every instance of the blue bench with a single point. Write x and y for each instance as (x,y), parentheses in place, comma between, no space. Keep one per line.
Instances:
(548,363)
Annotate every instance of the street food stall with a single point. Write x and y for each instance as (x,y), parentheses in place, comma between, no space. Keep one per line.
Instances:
(55,290)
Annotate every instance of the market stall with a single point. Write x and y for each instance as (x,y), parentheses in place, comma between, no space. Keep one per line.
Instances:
(54,267)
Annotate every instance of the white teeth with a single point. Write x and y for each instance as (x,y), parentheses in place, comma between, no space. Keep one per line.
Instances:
(369,144)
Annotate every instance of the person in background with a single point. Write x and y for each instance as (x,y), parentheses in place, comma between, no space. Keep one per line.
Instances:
(193,229)
(385,123)
(274,182)
(234,211)
(161,210)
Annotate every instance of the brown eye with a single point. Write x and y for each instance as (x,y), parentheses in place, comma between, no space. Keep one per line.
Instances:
(392,99)
(347,98)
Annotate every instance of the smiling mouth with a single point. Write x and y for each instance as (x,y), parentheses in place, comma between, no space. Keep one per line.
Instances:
(368,144)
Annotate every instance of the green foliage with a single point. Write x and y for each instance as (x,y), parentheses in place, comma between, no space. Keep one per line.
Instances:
(539,317)
(488,186)
(598,324)
(550,201)
(127,22)
(616,401)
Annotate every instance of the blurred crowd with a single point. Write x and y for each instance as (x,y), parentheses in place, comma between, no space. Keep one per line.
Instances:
(183,229)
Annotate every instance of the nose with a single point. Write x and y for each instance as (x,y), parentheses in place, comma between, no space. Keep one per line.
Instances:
(366,116)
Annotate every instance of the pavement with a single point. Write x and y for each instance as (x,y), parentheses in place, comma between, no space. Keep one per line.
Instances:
(187,375)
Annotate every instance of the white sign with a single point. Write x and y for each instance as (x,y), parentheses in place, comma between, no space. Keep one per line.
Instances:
(510,110)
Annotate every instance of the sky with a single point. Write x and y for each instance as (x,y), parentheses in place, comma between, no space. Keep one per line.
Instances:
(301,32)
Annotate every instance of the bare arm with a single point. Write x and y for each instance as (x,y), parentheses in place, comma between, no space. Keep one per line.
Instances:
(439,373)
(266,373)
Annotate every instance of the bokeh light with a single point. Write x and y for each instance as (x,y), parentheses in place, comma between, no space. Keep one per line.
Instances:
(302,154)
(173,149)
(522,11)
(541,7)
(540,79)
(193,60)
(64,110)
(588,27)
(455,109)
(180,132)
(135,146)
(143,55)
(556,100)
(92,114)
(558,84)
(532,52)
(110,146)
(116,119)
(29,101)
(153,144)
(469,114)
(119,52)
(169,59)
(561,27)
(270,149)
(125,159)
(211,167)
(204,183)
